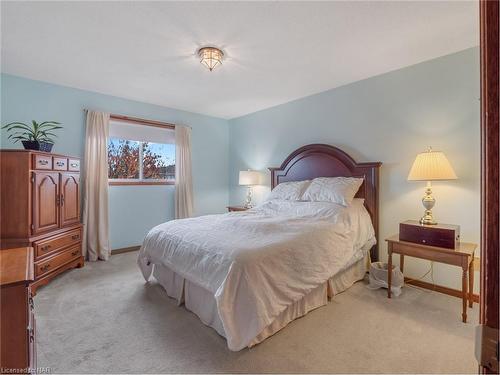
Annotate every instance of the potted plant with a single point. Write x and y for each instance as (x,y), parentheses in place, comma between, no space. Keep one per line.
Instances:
(35,136)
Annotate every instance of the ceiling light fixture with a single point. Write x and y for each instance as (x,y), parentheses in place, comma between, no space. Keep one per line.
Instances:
(210,57)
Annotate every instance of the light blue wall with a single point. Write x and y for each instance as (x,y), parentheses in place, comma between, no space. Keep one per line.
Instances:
(133,209)
(388,118)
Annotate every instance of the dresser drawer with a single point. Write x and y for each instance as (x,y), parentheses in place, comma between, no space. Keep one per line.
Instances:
(48,265)
(60,164)
(50,245)
(42,161)
(74,165)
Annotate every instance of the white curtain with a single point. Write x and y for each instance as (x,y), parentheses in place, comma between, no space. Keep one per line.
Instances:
(95,197)
(183,174)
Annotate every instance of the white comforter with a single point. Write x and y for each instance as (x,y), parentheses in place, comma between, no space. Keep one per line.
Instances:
(258,262)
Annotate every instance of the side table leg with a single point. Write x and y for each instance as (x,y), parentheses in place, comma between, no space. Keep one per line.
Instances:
(471,281)
(401,262)
(389,270)
(464,293)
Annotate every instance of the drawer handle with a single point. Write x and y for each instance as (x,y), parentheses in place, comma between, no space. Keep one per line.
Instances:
(75,237)
(45,267)
(43,161)
(73,253)
(60,164)
(46,247)
(74,165)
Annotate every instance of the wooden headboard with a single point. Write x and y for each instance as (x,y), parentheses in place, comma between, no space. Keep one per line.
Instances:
(319,160)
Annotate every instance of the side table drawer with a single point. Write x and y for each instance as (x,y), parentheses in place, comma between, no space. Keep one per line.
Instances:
(411,250)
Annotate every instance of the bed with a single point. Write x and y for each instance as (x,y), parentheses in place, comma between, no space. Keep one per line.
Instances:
(249,274)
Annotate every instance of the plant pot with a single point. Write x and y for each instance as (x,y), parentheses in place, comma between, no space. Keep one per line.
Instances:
(38,146)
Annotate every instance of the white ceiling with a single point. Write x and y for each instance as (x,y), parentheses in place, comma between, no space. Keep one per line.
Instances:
(277,51)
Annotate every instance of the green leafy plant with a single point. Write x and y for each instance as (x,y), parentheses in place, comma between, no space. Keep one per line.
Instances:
(41,132)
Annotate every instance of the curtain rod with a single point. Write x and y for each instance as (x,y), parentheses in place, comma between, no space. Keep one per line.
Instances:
(137,120)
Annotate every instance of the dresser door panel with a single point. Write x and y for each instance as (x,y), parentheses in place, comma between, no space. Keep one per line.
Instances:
(70,198)
(45,201)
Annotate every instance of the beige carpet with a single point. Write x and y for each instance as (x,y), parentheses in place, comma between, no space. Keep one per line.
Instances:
(104,318)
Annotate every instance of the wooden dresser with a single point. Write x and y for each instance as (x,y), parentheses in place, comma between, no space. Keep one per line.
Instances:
(40,207)
(17,329)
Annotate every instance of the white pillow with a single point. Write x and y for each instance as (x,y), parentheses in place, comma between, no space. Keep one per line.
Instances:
(339,190)
(291,191)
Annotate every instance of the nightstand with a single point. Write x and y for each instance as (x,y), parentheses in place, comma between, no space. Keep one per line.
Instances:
(236,208)
(462,256)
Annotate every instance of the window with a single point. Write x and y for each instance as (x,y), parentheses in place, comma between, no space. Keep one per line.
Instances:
(140,154)
(158,161)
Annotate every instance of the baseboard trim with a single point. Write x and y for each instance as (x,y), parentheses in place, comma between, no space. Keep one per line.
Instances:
(125,250)
(438,288)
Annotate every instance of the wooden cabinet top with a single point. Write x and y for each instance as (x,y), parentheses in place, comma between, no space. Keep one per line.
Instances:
(16,266)
(39,152)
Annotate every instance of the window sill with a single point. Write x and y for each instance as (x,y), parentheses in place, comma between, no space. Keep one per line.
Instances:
(132,183)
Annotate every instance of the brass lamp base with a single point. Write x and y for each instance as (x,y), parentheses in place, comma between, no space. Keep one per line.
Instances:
(428,201)
(427,219)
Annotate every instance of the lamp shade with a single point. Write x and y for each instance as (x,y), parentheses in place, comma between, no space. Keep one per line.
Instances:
(249,178)
(431,165)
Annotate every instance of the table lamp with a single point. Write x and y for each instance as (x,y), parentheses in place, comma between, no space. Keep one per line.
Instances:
(430,166)
(248,179)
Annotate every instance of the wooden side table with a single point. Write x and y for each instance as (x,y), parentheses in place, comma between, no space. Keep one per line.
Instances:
(463,257)
(236,208)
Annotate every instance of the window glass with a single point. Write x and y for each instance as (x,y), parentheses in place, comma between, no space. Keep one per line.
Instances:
(140,154)
(123,159)
(158,161)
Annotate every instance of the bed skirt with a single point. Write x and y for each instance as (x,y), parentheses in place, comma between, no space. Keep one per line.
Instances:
(203,304)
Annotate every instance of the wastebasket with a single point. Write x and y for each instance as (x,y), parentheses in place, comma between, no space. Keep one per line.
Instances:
(378,277)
